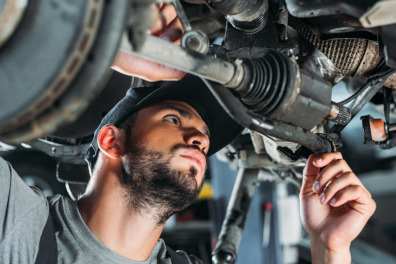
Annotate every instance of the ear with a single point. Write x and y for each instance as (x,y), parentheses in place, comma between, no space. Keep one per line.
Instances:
(111,141)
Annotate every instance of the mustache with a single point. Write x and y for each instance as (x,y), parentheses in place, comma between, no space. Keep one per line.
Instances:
(183,146)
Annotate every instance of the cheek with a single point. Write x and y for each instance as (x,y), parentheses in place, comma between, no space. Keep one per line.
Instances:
(157,138)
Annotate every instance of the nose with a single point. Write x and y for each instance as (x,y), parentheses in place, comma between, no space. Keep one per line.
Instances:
(197,138)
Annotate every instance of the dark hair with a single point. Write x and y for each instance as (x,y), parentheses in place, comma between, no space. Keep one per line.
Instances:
(127,125)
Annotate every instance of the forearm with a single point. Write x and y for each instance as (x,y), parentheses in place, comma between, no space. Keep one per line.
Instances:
(322,255)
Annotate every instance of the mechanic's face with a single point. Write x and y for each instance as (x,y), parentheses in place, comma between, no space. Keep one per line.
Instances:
(165,161)
(175,129)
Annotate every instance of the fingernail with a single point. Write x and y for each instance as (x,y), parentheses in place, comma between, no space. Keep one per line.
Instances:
(333,201)
(316,186)
(165,38)
(322,198)
(148,31)
(318,160)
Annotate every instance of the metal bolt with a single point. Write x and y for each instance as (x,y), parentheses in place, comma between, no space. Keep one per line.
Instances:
(193,43)
(195,40)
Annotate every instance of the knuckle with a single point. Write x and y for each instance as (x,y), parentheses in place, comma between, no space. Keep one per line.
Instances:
(355,188)
(336,163)
(349,175)
(339,154)
(340,162)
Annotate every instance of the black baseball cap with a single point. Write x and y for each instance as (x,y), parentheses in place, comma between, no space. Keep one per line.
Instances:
(192,90)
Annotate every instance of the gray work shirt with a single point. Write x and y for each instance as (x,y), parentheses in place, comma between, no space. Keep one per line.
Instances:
(24,212)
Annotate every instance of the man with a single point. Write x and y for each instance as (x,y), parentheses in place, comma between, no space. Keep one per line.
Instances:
(148,160)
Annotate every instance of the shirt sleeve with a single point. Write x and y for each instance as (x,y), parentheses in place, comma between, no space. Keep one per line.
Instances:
(18,202)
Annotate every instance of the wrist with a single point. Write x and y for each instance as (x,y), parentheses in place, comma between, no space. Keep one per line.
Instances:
(321,254)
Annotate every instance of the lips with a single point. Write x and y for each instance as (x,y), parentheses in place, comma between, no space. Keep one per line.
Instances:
(196,157)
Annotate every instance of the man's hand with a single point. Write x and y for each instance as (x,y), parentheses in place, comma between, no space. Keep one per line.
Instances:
(168,27)
(335,207)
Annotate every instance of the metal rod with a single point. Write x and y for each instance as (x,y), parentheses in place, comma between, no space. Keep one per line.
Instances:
(234,221)
(182,15)
(245,118)
(368,91)
(169,54)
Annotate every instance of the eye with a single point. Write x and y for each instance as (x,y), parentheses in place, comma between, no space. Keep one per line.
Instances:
(173,119)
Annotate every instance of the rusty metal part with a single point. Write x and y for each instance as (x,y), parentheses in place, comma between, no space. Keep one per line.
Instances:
(11,15)
(335,110)
(339,114)
(345,53)
(374,130)
(231,232)
(370,61)
(377,128)
(391,82)
(69,70)
(351,57)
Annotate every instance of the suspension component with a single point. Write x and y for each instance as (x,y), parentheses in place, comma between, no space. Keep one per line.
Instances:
(270,77)
(376,131)
(275,87)
(339,114)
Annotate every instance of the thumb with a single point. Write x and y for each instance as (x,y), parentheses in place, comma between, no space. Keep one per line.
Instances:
(309,174)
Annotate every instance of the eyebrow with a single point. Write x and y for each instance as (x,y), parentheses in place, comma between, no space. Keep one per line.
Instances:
(184,113)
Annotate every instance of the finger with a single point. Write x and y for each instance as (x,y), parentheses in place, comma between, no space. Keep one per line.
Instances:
(325,159)
(334,169)
(341,182)
(356,197)
(166,15)
(173,32)
(309,174)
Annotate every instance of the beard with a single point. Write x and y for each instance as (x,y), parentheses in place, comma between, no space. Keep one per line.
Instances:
(152,186)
